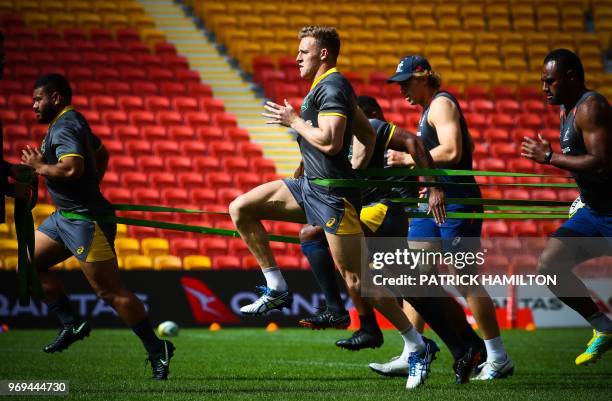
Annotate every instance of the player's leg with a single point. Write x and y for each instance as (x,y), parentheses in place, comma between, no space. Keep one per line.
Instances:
(270,201)
(49,251)
(415,317)
(569,246)
(314,247)
(418,351)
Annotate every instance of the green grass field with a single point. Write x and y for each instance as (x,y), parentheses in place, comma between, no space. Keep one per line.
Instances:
(294,364)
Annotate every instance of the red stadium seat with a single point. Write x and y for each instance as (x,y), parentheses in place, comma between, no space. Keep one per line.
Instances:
(17,102)
(158,74)
(137,147)
(516,193)
(162,179)
(481,106)
(497,228)
(225,262)
(132,73)
(127,35)
(246,181)
(249,262)
(283,228)
(530,121)
(197,119)
(568,195)
(218,180)
(503,93)
(187,76)
(190,179)
(288,262)
(165,148)
(103,103)
(144,88)
(122,163)
(206,163)
(530,93)
(184,104)
(114,117)
(182,247)
(544,194)
(137,48)
(476,92)
(496,135)
(118,88)
(178,163)
(211,105)
(114,147)
(192,148)
(14,132)
(199,89)
(164,48)
(167,118)
(237,134)
(263,166)
(507,106)
(150,164)
(102,131)
(225,120)
(140,118)
(221,148)
(77,73)
(534,106)
(505,150)
(8,116)
(492,165)
(142,232)
(174,196)
(129,103)
(173,89)
(203,196)
(133,179)
(226,195)
(153,63)
(147,196)
(118,195)
(499,120)
(521,166)
(123,60)
(238,248)
(153,132)
(235,163)
(208,134)
(523,229)
(477,121)
(157,104)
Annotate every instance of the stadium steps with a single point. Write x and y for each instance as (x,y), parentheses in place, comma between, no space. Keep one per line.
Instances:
(216,70)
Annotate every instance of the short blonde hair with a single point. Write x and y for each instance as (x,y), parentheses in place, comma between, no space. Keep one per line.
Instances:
(326,38)
(434,80)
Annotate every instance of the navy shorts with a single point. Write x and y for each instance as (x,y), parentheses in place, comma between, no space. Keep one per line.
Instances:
(88,241)
(336,210)
(457,235)
(586,223)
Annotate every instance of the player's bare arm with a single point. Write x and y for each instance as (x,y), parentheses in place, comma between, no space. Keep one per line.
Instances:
(101,162)
(68,168)
(364,140)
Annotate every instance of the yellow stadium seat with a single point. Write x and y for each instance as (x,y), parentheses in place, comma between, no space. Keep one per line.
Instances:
(461,50)
(298,21)
(325,20)
(137,262)
(421,10)
(275,22)
(8,247)
(514,63)
(113,21)
(152,36)
(375,23)
(235,35)
(48,6)
(121,231)
(10,263)
(345,63)
(548,24)
(572,25)
(586,39)
(438,38)
(536,38)
(446,11)
(362,36)
(547,12)
(494,10)
(395,9)
(126,246)
(289,36)
(27,6)
(106,7)
(561,39)
(76,6)
(314,9)
(364,63)
(513,50)
(250,21)
(408,48)
(293,9)
(387,49)
(210,8)
(592,64)
(522,11)
(462,37)
(129,7)
(607,92)
(194,262)
(589,51)
(486,50)
(276,49)
(61,20)
(239,8)
(5,232)
(41,211)
(498,24)
(512,38)
(265,9)
(474,24)
(387,63)
(602,12)
(350,21)
(506,78)
(449,23)
(167,262)
(399,22)
(435,50)
(487,38)
(355,49)
(603,25)
(153,247)
(425,23)
(464,63)
(414,38)
(531,78)
(88,19)
(440,64)
(470,11)
(141,21)
(572,12)
(370,10)
(537,52)
(606,79)
(480,78)
(524,25)
(455,78)
(36,20)
(346,10)
(385,36)
(594,79)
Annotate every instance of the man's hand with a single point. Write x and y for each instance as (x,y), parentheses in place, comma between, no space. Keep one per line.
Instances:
(32,157)
(396,158)
(277,114)
(535,150)
(437,206)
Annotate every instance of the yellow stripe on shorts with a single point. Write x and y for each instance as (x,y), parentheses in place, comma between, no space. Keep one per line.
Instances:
(373,216)
(100,250)
(350,222)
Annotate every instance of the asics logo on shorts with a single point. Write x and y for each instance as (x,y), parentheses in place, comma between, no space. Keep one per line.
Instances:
(331,222)
(80,250)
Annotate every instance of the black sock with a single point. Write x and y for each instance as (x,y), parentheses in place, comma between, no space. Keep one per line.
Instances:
(63,310)
(470,338)
(368,323)
(433,311)
(144,330)
(324,270)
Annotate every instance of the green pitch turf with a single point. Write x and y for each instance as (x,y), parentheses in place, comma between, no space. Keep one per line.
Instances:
(294,364)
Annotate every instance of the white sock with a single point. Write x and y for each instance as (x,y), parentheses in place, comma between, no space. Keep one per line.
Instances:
(495,350)
(600,322)
(413,342)
(275,279)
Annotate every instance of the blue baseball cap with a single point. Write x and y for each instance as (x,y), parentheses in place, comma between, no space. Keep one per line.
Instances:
(408,66)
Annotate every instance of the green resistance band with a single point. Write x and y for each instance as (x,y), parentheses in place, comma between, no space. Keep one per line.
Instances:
(28,283)
(409,172)
(171,226)
(485,201)
(352,183)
